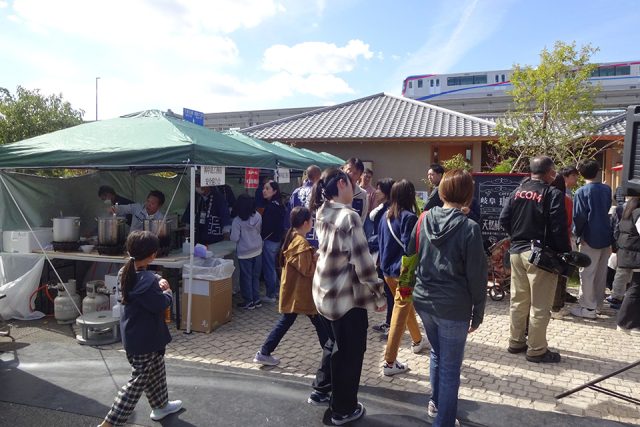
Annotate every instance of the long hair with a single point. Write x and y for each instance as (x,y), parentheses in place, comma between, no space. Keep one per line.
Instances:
(299,215)
(140,245)
(385,185)
(245,206)
(327,187)
(277,196)
(630,206)
(403,198)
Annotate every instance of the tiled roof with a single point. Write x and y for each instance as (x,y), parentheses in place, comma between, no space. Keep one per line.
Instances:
(375,117)
(610,123)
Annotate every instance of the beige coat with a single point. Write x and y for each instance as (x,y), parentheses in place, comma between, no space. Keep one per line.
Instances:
(297,275)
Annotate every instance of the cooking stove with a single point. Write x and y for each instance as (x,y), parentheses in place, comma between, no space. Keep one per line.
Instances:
(66,246)
(110,249)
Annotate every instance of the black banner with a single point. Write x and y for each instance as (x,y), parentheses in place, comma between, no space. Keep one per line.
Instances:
(492,190)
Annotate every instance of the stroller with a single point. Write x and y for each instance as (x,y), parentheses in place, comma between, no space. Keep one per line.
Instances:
(499,269)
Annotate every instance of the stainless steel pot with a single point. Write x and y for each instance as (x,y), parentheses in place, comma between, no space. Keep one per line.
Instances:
(111,230)
(66,229)
(159,227)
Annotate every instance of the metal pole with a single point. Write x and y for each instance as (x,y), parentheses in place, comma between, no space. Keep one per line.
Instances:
(192,236)
(97,78)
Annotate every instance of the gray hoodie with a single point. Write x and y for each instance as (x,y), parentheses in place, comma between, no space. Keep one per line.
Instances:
(247,235)
(451,279)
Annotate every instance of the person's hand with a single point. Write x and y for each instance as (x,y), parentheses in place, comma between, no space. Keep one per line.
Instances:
(164,284)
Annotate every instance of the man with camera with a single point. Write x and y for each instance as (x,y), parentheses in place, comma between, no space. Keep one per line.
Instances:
(534,214)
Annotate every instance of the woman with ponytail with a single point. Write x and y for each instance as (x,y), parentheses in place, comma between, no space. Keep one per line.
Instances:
(298,262)
(145,297)
(345,285)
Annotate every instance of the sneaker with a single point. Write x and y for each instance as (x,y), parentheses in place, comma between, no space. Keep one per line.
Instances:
(432,411)
(268,299)
(266,360)
(614,303)
(318,398)
(583,312)
(383,328)
(395,368)
(246,305)
(418,347)
(548,357)
(338,420)
(257,304)
(170,408)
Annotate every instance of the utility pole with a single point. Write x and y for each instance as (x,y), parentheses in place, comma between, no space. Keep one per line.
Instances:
(97,78)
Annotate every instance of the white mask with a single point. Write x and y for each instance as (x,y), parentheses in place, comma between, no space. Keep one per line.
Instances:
(107,202)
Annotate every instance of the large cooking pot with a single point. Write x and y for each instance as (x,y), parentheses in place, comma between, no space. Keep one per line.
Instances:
(111,230)
(66,229)
(159,227)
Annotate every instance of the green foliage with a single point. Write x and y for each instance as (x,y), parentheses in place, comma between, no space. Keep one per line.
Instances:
(457,162)
(28,113)
(553,105)
(505,166)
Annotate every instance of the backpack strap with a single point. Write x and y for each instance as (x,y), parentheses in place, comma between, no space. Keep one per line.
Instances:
(420,219)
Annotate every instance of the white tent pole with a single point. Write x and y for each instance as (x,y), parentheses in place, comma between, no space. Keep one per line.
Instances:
(192,236)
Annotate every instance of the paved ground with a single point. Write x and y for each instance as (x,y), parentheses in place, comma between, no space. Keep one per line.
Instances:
(497,388)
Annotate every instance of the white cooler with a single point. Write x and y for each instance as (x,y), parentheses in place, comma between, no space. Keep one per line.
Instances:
(23,241)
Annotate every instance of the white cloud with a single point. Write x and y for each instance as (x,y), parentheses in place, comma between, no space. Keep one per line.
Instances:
(315,57)
(3,4)
(458,31)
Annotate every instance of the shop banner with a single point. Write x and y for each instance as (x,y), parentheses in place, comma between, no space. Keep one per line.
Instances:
(251,177)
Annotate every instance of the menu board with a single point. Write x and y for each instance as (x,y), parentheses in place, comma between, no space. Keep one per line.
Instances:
(492,190)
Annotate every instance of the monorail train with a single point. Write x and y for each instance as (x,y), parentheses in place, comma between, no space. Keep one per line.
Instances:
(610,75)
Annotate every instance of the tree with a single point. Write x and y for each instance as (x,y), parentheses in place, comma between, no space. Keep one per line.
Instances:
(457,162)
(553,109)
(28,113)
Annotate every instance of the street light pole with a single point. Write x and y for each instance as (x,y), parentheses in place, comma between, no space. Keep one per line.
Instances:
(97,78)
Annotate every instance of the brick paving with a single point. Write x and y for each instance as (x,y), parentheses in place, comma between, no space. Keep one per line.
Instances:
(590,348)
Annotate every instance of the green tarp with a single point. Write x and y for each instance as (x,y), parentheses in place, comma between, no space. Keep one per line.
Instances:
(147,139)
(315,158)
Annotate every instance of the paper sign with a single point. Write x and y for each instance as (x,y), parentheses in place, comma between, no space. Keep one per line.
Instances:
(251,177)
(211,176)
(283,176)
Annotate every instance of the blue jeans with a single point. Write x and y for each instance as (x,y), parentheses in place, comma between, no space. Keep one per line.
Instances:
(447,338)
(250,269)
(269,255)
(282,326)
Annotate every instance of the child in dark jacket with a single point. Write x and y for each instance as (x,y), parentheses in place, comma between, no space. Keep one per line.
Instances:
(145,297)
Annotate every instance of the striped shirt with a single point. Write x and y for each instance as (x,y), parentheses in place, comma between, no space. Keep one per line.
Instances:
(345,275)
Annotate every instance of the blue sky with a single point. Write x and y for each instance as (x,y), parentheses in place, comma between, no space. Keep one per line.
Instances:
(228,55)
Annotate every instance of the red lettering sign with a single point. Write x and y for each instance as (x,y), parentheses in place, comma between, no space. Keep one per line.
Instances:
(529,195)
(251,177)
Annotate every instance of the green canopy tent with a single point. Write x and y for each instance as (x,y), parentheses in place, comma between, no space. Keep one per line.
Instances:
(149,140)
(316,158)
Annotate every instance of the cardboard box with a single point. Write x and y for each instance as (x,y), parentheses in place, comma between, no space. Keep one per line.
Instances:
(210,305)
(23,241)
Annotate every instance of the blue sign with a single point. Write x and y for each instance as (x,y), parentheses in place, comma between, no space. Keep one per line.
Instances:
(193,116)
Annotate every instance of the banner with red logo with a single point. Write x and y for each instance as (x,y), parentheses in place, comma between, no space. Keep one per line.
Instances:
(251,177)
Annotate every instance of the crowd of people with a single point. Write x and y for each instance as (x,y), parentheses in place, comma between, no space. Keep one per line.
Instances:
(345,246)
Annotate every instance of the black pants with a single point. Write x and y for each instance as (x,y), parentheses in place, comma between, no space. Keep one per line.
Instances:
(342,357)
(629,313)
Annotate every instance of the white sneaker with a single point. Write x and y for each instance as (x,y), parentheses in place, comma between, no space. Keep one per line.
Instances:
(418,347)
(171,408)
(432,411)
(584,312)
(395,368)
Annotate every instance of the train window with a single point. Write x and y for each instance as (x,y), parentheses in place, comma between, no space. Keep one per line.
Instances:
(467,80)
(431,82)
(437,82)
(480,79)
(419,83)
(503,78)
(497,78)
(623,70)
(410,85)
